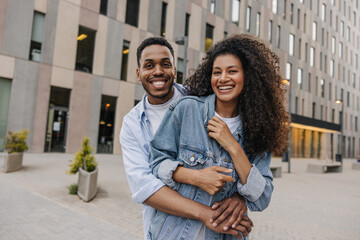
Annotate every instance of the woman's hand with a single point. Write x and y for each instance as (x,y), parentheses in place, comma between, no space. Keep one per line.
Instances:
(211,179)
(231,213)
(219,131)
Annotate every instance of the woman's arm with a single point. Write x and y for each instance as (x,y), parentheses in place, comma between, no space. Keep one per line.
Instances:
(255,179)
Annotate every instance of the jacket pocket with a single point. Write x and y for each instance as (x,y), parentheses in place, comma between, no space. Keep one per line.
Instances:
(191,156)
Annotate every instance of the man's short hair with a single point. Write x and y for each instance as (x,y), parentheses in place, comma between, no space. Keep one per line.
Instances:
(153,41)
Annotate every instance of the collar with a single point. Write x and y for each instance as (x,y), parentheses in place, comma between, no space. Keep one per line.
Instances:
(142,107)
(210,112)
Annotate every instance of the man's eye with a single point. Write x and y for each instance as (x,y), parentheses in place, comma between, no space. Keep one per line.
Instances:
(148,65)
(167,65)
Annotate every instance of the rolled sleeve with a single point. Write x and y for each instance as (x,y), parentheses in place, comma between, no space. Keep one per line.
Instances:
(165,173)
(141,181)
(254,186)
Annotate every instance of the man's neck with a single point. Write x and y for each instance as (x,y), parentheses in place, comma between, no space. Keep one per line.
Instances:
(161,100)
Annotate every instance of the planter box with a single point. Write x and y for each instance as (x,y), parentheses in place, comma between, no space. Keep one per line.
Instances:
(13,162)
(87,184)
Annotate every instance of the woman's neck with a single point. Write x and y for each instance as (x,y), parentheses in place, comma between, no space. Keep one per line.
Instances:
(226,109)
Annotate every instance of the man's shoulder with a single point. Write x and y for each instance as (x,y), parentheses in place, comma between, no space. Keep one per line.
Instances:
(187,101)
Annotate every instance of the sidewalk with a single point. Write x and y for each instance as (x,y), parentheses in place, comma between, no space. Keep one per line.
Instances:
(35,204)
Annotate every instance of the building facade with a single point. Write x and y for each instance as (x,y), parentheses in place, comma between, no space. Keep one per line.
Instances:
(67,67)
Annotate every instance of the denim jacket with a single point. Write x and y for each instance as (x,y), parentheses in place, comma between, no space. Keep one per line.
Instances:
(182,139)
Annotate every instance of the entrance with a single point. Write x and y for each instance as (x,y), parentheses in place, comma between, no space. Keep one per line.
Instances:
(55,140)
(56,129)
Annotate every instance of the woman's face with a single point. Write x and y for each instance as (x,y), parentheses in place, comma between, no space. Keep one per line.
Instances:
(227,78)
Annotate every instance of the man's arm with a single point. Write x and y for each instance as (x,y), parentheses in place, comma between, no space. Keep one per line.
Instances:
(171,202)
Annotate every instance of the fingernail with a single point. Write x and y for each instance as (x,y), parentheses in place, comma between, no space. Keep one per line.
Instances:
(214,224)
(233,226)
(226,228)
(211,220)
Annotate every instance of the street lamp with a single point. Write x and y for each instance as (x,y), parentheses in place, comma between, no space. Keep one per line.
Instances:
(341,102)
(287,83)
(183,41)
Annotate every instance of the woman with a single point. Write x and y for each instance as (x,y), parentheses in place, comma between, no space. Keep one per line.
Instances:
(236,121)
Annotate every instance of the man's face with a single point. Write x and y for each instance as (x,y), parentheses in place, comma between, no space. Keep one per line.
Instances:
(157,73)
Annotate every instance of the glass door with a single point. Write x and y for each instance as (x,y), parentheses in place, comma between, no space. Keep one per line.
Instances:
(56,129)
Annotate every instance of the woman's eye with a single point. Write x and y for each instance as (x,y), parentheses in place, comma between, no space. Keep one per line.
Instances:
(216,73)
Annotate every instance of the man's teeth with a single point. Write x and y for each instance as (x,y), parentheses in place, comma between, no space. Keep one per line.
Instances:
(159,83)
(225,88)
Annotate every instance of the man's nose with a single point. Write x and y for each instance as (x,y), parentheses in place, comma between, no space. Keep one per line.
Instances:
(158,70)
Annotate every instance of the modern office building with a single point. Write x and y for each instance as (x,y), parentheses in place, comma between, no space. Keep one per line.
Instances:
(67,67)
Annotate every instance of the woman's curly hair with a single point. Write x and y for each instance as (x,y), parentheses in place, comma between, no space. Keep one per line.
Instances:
(261,102)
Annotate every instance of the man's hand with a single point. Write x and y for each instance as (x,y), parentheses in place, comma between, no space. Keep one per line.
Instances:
(211,179)
(230,213)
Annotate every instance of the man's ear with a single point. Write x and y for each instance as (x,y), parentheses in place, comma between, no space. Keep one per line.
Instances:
(138,73)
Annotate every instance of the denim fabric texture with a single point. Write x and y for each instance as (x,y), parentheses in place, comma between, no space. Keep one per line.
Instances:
(135,137)
(182,139)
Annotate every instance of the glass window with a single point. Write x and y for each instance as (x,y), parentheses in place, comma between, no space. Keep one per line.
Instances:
(179,70)
(270,31)
(340,50)
(312,56)
(322,83)
(258,24)
(278,36)
(323,12)
(333,41)
(274,6)
(125,60)
(288,71)
(291,44)
(103,7)
(342,28)
(299,49)
(300,78)
(235,11)
(248,17)
(163,19)
(106,124)
(132,12)
(348,34)
(85,49)
(37,36)
(284,12)
(332,67)
(314,32)
(212,6)
(187,22)
(209,37)
(5,89)
(292,13)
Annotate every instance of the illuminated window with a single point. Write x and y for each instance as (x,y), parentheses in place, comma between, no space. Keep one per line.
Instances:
(163,19)
(209,37)
(312,56)
(291,44)
(288,71)
(212,6)
(314,32)
(300,78)
(258,24)
(125,60)
(85,49)
(274,6)
(106,124)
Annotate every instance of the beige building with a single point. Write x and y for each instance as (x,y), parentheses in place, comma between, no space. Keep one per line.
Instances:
(67,67)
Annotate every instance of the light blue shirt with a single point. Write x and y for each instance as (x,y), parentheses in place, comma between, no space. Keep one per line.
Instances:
(135,137)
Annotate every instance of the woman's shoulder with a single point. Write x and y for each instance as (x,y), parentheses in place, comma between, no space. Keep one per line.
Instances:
(188,102)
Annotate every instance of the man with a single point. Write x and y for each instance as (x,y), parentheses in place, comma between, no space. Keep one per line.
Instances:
(156,72)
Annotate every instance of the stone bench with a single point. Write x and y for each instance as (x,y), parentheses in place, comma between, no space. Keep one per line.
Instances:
(324,167)
(355,166)
(276,171)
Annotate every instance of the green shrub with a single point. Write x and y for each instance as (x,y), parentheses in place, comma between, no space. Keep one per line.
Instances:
(73,188)
(15,142)
(83,157)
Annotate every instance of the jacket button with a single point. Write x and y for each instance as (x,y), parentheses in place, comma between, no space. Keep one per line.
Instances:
(192,159)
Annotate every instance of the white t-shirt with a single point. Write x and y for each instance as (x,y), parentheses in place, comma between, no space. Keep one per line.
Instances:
(232,124)
(156,113)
